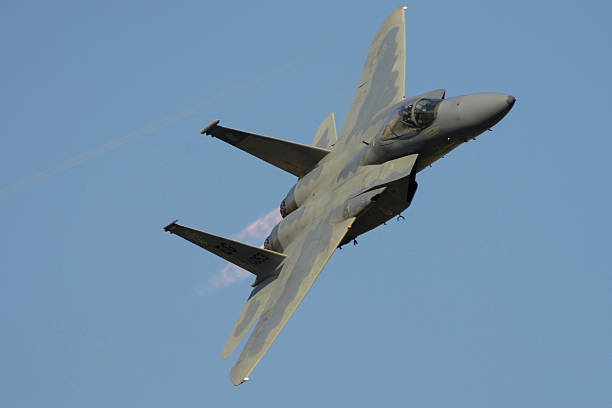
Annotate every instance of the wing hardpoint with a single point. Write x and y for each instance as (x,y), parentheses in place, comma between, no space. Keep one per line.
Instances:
(306,257)
(382,81)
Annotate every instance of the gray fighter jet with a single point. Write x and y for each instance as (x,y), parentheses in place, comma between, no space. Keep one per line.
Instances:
(346,185)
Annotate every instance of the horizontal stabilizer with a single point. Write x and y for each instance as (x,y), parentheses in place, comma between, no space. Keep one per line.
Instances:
(295,158)
(259,261)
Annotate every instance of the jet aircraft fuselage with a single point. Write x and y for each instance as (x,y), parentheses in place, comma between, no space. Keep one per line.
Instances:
(347,184)
(424,125)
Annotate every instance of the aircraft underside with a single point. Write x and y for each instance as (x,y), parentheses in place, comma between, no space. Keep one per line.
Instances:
(396,198)
(392,202)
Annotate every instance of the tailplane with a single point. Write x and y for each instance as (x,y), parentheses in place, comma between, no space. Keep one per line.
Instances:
(295,158)
(259,261)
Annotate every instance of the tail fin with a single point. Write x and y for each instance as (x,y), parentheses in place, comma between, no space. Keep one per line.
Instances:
(326,133)
(295,158)
(261,262)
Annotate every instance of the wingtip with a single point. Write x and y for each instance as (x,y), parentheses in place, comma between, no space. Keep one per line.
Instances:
(239,381)
(239,374)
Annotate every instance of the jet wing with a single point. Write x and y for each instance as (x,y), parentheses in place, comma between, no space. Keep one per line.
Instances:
(382,83)
(253,308)
(306,257)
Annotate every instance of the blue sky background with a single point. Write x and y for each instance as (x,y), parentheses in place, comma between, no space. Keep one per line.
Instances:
(495,291)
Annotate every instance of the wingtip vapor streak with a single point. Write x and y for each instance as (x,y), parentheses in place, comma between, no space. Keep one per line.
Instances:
(346,186)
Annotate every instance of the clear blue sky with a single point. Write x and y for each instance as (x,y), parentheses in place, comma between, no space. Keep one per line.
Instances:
(495,291)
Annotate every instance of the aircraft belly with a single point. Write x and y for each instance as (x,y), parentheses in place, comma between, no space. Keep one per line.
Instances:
(433,154)
(390,203)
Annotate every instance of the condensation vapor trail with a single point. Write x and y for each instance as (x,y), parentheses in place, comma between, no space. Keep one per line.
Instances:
(113,144)
(231,273)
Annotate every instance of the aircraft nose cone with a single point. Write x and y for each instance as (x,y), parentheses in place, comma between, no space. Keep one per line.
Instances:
(483,110)
(510,100)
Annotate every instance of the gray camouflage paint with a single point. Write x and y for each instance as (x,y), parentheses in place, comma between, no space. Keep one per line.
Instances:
(251,312)
(325,135)
(295,158)
(357,182)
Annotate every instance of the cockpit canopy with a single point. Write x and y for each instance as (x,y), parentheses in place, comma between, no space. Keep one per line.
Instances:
(411,116)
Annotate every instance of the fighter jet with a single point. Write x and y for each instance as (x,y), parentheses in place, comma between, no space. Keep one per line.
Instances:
(346,185)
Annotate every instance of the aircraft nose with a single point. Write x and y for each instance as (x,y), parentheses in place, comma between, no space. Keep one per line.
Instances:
(483,110)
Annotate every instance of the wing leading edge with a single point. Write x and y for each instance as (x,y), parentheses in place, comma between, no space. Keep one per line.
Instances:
(382,82)
(306,257)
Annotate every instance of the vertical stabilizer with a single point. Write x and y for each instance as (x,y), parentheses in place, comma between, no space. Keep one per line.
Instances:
(326,133)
